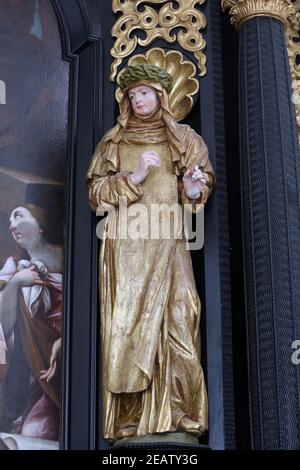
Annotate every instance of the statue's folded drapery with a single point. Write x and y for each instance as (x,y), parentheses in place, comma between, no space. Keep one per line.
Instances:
(150,309)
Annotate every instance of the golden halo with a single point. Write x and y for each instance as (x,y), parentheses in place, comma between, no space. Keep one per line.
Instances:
(185,85)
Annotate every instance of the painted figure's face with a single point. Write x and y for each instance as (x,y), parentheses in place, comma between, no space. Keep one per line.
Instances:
(24,228)
(144,99)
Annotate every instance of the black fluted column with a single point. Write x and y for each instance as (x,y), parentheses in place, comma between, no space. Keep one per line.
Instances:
(270,179)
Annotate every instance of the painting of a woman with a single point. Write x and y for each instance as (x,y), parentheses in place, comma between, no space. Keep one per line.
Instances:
(31,323)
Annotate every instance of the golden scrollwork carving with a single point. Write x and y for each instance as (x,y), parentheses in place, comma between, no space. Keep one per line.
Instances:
(243,10)
(293,47)
(183,72)
(157,23)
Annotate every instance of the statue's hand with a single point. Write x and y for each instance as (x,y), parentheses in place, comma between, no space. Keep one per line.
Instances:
(147,159)
(194,182)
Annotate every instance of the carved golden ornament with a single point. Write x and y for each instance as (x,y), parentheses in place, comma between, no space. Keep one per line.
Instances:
(138,15)
(243,10)
(293,48)
(183,72)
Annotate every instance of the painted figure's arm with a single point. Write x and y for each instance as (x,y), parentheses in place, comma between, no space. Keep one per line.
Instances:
(9,296)
(50,373)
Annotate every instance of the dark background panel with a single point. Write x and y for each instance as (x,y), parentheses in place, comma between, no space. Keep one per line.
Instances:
(35,118)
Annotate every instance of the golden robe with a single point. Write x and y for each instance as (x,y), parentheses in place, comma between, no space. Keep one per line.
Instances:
(150,309)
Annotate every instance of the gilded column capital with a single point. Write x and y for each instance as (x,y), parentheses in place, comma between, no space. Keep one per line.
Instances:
(243,10)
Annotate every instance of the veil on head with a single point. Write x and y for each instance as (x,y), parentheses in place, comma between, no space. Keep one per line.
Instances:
(160,81)
(159,70)
(163,64)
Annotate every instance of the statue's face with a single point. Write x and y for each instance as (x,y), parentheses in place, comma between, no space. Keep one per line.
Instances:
(24,227)
(144,99)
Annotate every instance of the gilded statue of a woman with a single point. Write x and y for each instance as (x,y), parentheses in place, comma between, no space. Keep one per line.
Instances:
(150,310)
